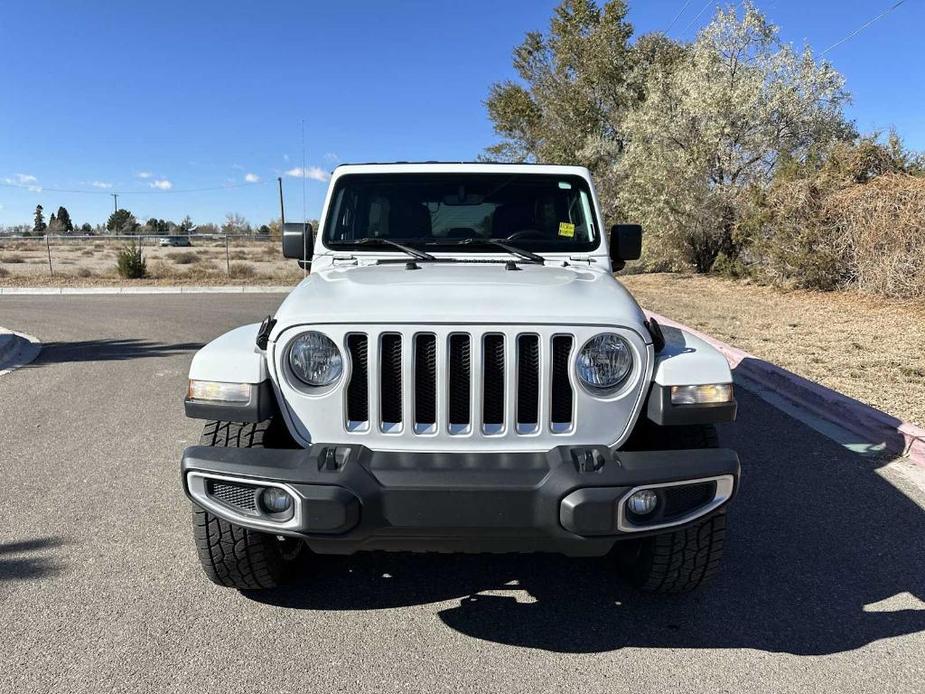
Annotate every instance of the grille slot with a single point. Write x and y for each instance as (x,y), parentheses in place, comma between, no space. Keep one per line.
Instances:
(238,495)
(561,405)
(460,377)
(682,499)
(493,383)
(425,382)
(528,382)
(358,388)
(390,381)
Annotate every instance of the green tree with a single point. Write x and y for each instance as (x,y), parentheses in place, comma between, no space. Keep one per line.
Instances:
(577,82)
(715,125)
(122,222)
(64,220)
(39,226)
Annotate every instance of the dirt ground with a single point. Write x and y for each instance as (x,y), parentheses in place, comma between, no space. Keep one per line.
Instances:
(83,262)
(870,349)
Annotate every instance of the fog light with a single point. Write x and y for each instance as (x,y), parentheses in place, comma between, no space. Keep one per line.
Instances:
(642,502)
(275,500)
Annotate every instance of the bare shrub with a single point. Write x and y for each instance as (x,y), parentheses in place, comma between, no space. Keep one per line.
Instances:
(883,230)
(84,272)
(241,271)
(4,272)
(184,257)
(238,255)
(12,258)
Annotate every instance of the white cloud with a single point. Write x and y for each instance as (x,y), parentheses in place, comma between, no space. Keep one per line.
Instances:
(26,178)
(316,173)
(238,167)
(144,174)
(162,184)
(285,157)
(252,178)
(26,181)
(100,184)
(331,156)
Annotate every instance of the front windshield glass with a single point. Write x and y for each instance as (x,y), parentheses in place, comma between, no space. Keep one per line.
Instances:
(540,213)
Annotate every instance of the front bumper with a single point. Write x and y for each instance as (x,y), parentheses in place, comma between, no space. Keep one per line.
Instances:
(568,500)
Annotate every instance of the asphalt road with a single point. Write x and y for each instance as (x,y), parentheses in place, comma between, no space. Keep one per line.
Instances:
(823,587)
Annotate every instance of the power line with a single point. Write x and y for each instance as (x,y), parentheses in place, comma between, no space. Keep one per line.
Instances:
(697,16)
(680,12)
(36,188)
(863,27)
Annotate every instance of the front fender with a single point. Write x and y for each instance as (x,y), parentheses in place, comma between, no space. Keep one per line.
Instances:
(686,360)
(233,358)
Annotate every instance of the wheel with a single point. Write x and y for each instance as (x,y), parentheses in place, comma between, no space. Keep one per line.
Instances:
(682,560)
(231,555)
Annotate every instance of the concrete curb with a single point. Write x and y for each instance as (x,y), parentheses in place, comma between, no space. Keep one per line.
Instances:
(179,289)
(897,436)
(16,350)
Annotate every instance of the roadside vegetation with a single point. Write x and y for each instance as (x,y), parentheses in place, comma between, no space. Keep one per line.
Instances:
(868,348)
(732,150)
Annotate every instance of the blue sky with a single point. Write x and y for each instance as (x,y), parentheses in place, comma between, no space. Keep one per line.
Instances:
(151,99)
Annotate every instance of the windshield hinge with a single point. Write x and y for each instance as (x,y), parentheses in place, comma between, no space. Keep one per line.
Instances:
(581,259)
(345,259)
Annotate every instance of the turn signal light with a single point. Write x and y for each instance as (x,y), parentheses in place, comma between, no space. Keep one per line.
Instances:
(218,391)
(701,395)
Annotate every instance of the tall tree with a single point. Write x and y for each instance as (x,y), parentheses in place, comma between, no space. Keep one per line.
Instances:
(64,220)
(122,222)
(577,81)
(715,125)
(39,226)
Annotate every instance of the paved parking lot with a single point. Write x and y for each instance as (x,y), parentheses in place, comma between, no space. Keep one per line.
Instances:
(823,587)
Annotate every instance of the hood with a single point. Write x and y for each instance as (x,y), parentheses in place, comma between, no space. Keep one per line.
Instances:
(463,293)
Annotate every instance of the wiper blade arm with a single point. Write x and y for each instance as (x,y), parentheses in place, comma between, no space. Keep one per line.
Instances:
(513,250)
(410,250)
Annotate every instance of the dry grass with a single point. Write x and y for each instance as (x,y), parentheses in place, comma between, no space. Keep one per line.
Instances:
(867,348)
(26,262)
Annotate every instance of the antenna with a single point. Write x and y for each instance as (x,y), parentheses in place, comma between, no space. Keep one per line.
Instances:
(304,220)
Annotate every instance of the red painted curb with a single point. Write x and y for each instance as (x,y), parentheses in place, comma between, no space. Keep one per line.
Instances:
(902,438)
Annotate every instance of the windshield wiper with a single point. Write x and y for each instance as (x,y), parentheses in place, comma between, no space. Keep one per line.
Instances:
(513,250)
(414,252)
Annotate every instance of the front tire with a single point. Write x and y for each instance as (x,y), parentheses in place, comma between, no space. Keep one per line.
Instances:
(233,556)
(682,560)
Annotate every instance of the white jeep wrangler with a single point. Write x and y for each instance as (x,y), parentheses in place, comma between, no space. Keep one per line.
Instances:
(460,372)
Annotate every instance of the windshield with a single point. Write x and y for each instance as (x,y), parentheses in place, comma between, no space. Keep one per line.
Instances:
(540,213)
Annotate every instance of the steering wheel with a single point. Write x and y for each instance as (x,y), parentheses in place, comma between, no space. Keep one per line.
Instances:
(526,233)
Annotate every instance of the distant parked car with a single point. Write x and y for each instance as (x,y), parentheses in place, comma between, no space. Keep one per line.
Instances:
(174,241)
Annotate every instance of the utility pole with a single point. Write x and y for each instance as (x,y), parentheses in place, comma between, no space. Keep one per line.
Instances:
(115,202)
(282,212)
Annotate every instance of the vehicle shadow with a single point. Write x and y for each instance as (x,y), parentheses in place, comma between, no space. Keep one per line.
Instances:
(16,567)
(817,537)
(114,349)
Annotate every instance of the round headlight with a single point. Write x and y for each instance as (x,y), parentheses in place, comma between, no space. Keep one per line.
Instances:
(315,359)
(605,361)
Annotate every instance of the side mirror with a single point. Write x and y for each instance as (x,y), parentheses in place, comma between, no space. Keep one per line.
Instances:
(625,244)
(298,241)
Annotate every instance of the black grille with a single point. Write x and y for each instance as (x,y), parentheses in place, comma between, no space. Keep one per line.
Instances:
(493,384)
(528,379)
(390,384)
(239,495)
(460,373)
(683,499)
(358,388)
(425,380)
(561,408)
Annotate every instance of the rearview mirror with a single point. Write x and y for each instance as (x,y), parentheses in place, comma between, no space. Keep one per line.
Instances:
(625,244)
(298,240)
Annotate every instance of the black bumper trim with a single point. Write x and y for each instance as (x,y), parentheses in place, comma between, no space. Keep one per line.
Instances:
(460,501)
